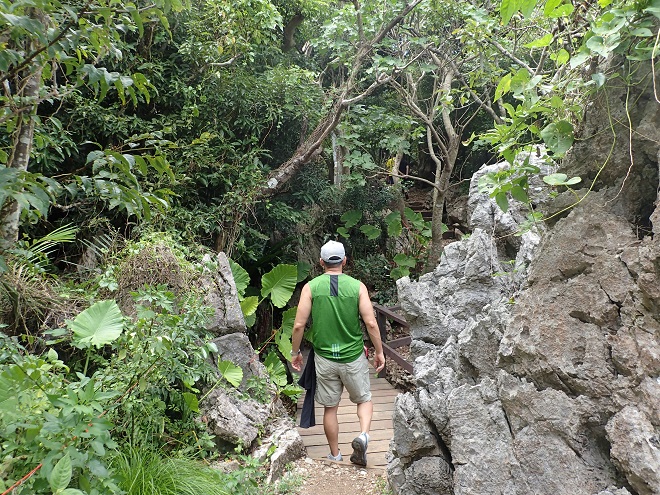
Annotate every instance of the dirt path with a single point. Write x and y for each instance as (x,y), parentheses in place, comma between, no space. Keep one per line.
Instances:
(326,478)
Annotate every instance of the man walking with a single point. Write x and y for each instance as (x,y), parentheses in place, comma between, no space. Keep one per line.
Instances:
(336,302)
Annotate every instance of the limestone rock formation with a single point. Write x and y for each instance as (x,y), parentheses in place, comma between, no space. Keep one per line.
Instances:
(537,357)
(220,294)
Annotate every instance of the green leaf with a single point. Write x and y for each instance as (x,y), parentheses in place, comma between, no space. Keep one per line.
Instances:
(399,272)
(641,32)
(283,335)
(541,42)
(303,270)
(191,401)
(558,136)
(250,320)
(291,390)
(502,201)
(562,57)
(527,7)
(519,194)
(507,9)
(342,231)
(561,180)
(249,305)
(402,259)
(98,325)
(276,369)
(71,491)
(599,78)
(351,218)
(597,44)
(370,231)
(579,58)
(394,225)
(230,372)
(60,476)
(241,277)
(280,283)
(503,87)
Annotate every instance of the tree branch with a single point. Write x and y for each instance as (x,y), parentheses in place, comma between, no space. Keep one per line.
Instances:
(37,52)
(312,145)
(510,55)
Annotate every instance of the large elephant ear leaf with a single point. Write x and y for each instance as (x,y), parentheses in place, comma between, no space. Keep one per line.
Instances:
(241,277)
(283,335)
(279,283)
(230,372)
(98,325)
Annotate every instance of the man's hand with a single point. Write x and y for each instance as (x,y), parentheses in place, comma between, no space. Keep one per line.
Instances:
(379,361)
(297,362)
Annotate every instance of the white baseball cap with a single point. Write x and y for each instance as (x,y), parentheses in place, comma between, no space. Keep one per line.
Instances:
(332,252)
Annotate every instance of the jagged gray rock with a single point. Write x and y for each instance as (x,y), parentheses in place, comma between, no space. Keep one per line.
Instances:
(463,279)
(636,449)
(542,380)
(428,476)
(612,490)
(237,349)
(413,433)
(282,445)
(220,294)
(233,420)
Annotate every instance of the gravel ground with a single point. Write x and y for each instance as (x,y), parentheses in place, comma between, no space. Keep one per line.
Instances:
(327,478)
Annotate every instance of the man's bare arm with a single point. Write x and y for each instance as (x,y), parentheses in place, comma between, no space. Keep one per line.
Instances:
(302,315)
(367,314)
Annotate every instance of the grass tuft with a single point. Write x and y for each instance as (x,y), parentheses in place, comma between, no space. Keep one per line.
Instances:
(141,471)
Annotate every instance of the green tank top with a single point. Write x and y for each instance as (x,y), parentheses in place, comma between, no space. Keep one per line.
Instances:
(336,330)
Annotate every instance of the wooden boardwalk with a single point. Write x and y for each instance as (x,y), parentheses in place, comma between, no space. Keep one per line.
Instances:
(382,396)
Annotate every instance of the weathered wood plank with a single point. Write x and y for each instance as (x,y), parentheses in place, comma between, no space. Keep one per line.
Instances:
(376,453)
(352,426)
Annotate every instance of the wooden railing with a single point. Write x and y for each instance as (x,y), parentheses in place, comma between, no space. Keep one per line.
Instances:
(383,314)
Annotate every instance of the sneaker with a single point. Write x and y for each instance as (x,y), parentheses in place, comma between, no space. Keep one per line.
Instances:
(336,458)
(359,445)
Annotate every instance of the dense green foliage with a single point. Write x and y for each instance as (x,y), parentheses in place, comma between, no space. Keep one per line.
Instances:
(156,130)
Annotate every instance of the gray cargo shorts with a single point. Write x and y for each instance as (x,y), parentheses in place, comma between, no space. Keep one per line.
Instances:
(332,377)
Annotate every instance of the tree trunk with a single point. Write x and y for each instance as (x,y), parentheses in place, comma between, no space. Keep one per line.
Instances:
(27,84)
(442,175)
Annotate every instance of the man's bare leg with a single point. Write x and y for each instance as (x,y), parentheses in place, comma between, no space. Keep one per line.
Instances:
(331,428)
(365,411)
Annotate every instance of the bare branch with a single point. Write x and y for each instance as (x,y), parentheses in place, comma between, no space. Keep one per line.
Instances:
(510,55)
(228,62)
(482,103)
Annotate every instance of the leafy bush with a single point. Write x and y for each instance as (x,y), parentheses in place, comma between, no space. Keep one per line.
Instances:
(374,271)
(47,415)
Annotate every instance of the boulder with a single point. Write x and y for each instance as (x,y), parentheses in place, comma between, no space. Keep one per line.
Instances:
(281,446)
(236,348)
(220,294)
(636,449)
(428,476)
(413,433)
(233,420)
(443,303)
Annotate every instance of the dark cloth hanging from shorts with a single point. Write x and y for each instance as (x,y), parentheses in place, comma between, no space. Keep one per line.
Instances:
(308,382)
